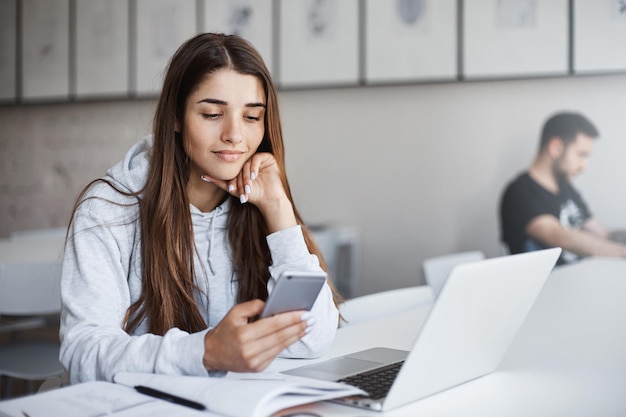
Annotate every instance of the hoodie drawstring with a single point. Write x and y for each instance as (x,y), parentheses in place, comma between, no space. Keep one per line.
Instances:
(211,233)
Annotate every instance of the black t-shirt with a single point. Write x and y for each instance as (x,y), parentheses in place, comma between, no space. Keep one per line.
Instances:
(524,199)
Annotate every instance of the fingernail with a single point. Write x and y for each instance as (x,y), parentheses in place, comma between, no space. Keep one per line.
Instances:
(242,198)
(306,316)
(247,189)
(205,179)
(253,175)
(308,330)
(231,188)
(310,322)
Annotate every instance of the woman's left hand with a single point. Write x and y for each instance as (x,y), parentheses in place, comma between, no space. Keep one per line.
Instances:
(259,183)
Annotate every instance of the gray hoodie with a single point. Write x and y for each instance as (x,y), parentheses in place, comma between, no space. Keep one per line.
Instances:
(102,278)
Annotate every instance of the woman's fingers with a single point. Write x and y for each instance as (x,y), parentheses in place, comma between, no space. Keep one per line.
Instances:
(245,179)
(267,352)
(259,178)
(256,163)
(232,187)
(273,335)
(236,345)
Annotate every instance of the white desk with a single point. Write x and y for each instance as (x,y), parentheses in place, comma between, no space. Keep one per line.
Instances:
(30,275)
(49,248)
(569,358)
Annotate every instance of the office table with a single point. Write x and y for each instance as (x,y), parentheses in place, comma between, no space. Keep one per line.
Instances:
(569,358)
(49,248)
(30,270)
(36,263)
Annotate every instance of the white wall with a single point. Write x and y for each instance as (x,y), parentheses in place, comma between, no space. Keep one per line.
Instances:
(419,169)
(416,169)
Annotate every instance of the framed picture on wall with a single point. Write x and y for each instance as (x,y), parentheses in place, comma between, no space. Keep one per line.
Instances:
(318,43)
(250,19)
(101,44)
(599,30)
(161,27)
(8,50)
(515,38)
(410,40)
(45,49)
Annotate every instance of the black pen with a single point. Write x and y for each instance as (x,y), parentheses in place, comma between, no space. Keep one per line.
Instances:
(169,397)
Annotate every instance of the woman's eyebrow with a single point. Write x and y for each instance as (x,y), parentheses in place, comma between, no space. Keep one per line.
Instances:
(224,103)
(213,101)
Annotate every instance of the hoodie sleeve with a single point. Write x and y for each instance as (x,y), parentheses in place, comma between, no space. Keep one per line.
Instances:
(289,253)
(95,294)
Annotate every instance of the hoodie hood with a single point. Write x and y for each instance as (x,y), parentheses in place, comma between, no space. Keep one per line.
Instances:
(131,172)
(130,175)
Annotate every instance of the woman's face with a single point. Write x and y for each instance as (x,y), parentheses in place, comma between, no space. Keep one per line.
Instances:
(224,123)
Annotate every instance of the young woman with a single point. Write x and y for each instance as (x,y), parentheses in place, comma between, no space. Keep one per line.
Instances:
(170,255)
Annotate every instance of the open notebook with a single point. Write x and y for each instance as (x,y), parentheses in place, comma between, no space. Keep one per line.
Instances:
(468,330)
(234,395)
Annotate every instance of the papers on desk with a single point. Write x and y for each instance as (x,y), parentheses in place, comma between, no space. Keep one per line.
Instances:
(242,394)
(92,399)
(235,395)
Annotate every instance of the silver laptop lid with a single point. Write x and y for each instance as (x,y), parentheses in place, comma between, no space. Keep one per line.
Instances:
(469,329)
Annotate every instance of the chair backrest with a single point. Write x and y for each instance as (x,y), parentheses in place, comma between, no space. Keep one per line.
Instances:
(374,306)
(30,288)
(340,247)
(52,232)
(504,249)
(438,268)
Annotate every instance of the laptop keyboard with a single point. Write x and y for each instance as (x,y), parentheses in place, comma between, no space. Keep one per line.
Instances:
(376,382)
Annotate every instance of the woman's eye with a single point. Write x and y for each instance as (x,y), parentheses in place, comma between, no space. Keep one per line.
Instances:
(210,115)
(256,119)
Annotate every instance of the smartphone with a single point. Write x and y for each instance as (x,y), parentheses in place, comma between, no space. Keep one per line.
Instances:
(294,291)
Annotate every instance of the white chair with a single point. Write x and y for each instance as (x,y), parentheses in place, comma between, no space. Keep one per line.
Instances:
(340,247)
(438,268)
(374,306)
(30,295)
(47,233)
(503,249)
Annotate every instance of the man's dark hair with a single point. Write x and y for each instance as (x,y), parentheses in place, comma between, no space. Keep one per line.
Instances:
(567,126)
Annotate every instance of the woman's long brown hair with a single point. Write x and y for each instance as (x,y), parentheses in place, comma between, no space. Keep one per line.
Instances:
(167,244)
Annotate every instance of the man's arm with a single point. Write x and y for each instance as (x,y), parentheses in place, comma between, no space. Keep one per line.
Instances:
(594,226)
(547,229)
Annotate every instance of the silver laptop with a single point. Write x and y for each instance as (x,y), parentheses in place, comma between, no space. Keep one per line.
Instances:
(466,334)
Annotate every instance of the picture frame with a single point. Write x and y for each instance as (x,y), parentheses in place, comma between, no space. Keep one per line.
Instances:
(161,26)
(318,43)
(101,45)
(515,38)
(8,50)
(45,51)
(599,31)
(251,19)
(65,50)
(410,40)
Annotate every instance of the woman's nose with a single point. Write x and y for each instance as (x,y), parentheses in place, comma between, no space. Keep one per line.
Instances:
(232,130)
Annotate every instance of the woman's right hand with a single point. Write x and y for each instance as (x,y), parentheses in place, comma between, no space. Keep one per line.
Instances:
(239,346)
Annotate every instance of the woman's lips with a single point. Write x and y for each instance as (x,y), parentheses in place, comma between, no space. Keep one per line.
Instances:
(229,156)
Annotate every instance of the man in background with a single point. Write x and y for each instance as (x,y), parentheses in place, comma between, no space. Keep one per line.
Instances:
(541,208)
